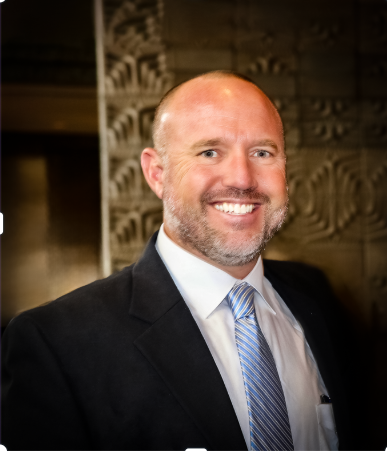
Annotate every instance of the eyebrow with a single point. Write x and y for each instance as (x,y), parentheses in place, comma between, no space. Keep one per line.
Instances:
(266,143)
(207,143)
(218,141)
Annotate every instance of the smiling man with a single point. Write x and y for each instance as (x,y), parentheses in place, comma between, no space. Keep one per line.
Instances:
(200,344)
(219,166)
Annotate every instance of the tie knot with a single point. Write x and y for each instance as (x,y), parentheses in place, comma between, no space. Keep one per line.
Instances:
(241,300)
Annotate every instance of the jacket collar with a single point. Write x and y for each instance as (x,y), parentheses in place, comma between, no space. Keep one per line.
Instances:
(154,292)
(175,347)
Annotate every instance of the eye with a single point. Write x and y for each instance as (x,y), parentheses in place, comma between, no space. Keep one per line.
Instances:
(210,153)
(262,154)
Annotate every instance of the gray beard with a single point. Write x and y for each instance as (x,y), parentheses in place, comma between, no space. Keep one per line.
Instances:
(191,227)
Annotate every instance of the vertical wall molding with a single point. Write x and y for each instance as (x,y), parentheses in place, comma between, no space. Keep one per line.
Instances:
(104,153)
(132,77)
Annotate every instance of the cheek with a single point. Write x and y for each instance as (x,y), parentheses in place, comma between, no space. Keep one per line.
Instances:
(176,173)
(272,180)
(188,181)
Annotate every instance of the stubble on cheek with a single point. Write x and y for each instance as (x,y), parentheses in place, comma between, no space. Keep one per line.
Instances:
(192,228)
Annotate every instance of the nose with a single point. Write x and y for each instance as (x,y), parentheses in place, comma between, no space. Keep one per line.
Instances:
(240,172)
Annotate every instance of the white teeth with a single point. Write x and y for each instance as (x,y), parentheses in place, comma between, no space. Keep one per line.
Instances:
(237,209)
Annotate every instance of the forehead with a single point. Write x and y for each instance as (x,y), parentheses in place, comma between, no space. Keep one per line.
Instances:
(234,108)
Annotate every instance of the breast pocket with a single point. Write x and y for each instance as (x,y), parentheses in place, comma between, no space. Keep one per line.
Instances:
(326,427)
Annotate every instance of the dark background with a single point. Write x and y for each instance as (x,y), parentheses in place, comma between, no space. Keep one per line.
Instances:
(50,148)
(50,189)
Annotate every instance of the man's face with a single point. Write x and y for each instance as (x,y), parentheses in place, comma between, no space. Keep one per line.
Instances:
(224,183)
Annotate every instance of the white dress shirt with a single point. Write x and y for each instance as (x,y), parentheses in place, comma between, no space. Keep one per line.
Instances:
(204,288)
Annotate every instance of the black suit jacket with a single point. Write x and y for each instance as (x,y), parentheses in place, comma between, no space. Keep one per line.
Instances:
(121,364)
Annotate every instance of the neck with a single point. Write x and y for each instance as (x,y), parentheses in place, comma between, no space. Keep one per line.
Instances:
(238,272)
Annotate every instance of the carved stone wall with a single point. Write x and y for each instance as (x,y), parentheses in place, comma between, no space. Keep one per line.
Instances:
(323,63)
(133,75)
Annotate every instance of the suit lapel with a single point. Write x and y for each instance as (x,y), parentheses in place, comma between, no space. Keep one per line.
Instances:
(175,347)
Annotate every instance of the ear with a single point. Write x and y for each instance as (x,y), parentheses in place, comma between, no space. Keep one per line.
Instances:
(153,170)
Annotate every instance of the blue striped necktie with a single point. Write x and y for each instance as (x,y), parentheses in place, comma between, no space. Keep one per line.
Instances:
(268,415)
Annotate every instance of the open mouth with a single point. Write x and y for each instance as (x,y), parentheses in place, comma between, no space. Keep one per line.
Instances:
(235,209)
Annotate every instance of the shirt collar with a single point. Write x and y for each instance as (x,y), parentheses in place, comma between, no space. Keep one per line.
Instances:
(202,285)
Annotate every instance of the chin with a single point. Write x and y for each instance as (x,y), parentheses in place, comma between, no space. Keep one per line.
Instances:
(238,251)
(235,243)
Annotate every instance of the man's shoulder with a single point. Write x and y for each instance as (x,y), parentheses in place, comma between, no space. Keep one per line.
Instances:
(300,277)
(291,271)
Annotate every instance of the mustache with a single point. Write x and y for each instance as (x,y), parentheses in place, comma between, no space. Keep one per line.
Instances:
(234,193)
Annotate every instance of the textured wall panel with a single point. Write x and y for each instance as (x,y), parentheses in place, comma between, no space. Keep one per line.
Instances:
(133,75)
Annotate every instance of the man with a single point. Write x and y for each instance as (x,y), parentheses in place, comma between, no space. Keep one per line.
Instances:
(193,346)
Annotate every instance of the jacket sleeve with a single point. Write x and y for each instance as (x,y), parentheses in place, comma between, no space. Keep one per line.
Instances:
(39,410)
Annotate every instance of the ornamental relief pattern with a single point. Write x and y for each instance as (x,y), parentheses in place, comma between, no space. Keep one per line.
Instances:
(331,200)
(334,114)
(375,197)
(325,203)
(135,78)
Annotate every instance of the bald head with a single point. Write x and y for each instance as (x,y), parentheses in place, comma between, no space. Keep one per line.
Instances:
(200,90)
